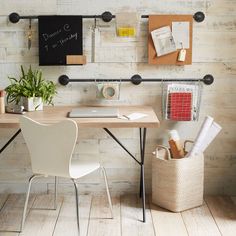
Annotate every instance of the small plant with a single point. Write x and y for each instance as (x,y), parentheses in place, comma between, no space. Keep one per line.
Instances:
(30,85)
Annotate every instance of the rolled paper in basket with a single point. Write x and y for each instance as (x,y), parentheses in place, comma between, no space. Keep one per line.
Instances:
(202,134)
(212,133)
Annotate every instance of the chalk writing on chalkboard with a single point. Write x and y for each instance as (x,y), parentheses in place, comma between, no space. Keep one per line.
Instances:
(59,36)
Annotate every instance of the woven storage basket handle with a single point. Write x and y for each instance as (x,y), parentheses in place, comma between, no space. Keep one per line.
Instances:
(185,143)
(163,147)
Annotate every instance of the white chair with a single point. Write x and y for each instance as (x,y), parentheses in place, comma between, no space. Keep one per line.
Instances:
(51,148)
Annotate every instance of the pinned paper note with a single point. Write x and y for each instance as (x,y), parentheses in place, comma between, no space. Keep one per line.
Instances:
(180,32)
(163,41)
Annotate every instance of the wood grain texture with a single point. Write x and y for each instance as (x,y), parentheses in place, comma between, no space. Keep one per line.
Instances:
(41,220)
(131,217)
(37,8)
(166,222)
(199,221)
(95,219)
(67,220)
(3,199)
(52,115)
(223,210)
(9,234)
(75,59)
(100,218)
(11,213)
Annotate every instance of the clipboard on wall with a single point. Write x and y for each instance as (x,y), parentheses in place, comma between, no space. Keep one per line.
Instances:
(158,21)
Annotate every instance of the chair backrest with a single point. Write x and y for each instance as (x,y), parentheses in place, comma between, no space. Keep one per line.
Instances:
(50,146)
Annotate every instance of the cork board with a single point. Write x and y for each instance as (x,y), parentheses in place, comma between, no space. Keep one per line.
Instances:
(158,21)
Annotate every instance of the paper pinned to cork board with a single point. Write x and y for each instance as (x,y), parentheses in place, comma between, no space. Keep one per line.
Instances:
(180,32)
(163,41)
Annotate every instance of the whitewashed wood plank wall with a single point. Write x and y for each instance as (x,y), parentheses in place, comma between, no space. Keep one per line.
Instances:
(214,52)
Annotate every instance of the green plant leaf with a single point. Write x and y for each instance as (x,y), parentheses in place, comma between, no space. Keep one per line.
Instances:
(30,84)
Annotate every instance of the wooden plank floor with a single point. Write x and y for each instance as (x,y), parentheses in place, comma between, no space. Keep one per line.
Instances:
(217,216)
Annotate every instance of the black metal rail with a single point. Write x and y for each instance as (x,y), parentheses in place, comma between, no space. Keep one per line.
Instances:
(105,16)
(136,80)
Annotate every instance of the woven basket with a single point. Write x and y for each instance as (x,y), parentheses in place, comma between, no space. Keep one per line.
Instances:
(177,184)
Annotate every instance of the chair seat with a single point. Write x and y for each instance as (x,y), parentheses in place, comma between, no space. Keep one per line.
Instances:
(79,168)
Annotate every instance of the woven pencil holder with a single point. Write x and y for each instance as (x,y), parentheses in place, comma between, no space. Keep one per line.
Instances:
(177,184)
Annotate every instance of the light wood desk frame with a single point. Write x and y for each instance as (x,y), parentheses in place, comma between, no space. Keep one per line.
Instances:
(56,114)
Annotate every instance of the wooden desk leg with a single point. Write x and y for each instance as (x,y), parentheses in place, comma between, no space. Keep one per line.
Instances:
(10,140)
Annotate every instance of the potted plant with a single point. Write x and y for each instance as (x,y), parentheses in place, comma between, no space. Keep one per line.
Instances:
(31,89)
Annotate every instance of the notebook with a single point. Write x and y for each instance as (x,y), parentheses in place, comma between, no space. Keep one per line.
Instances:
(94,112)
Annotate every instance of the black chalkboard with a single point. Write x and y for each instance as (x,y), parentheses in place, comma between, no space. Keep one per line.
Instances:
(59,36)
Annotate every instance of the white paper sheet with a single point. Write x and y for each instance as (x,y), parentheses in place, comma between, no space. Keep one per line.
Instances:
(180,32)
(163,41)
(135,116)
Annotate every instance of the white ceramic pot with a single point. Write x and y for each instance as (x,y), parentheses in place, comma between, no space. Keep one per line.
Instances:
(33,104)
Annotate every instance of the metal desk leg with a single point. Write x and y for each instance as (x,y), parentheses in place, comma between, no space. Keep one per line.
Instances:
(141,163)
(10,140)
(141,148)
(142,182)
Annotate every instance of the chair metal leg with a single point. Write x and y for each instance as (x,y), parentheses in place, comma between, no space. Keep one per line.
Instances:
(26,201)
(77,204)
(107,189)
(55,193)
